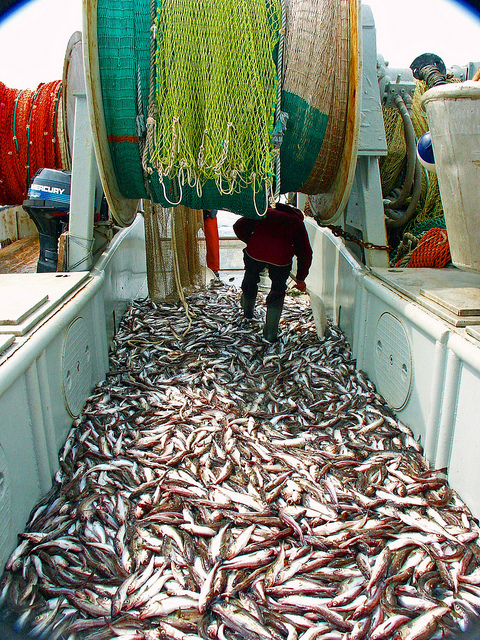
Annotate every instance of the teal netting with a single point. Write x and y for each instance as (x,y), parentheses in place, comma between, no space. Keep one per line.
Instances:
(124,46)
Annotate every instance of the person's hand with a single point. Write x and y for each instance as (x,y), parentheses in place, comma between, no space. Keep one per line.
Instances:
(300,285)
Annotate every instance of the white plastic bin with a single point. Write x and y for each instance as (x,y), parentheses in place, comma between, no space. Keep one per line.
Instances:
(453,112)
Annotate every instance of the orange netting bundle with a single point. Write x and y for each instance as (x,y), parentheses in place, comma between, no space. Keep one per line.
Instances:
(432,251)
(31,137)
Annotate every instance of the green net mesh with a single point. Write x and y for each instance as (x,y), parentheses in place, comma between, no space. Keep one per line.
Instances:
(123,44)
(216,92)
(215,82)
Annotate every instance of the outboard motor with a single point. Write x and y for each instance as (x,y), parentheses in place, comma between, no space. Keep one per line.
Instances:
(48,205)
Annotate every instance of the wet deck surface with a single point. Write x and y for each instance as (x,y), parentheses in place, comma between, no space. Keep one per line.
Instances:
(20,257)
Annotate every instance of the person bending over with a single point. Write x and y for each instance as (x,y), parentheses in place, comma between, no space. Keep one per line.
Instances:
(272,242)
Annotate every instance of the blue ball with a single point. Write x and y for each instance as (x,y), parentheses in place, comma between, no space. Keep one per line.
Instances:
(425,152)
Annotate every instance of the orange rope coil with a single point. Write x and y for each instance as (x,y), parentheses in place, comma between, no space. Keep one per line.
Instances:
(433,250)
(31,137)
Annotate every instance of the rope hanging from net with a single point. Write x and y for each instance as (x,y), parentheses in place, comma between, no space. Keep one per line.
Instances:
(281,117)
(216,94)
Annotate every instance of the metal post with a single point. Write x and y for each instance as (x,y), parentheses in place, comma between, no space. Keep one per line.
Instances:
(301,201)
(79,239)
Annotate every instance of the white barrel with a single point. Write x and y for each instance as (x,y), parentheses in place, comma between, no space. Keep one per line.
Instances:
(453,113)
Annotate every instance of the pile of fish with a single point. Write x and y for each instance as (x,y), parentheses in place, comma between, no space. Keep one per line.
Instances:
(219,486)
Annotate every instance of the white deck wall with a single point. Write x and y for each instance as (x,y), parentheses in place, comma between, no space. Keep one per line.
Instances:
(45,381)
(426,369)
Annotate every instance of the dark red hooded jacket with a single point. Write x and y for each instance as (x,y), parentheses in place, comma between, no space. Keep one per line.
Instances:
(277,237)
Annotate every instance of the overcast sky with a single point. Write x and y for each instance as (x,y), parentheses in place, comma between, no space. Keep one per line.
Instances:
(408,28)
(34,39)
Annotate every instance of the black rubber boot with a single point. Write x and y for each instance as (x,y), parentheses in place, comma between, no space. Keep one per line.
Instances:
(270,329)
(248,305)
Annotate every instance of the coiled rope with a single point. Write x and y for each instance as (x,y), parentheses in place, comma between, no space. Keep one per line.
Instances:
(31,137)
(425,246)
(433,250)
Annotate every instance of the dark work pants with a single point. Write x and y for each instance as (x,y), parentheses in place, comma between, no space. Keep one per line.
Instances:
(278,276)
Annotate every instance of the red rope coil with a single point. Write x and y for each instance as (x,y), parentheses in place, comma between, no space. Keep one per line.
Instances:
(21,133)
(57,125)
(30,138)
(8,177)
(433,250)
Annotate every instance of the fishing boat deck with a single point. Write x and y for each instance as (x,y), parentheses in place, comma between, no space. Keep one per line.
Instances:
(451,294)
(20,256)
(305,434)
